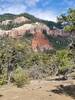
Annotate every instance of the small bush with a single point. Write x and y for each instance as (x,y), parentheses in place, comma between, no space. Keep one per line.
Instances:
(3,79)
(20,77)
(2,82)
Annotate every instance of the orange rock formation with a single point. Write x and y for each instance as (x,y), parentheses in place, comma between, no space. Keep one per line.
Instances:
(40,43)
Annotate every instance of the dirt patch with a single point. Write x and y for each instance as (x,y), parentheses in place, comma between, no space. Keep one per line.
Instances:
(40,90)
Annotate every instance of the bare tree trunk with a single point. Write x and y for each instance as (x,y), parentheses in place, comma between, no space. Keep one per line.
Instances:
(9,75)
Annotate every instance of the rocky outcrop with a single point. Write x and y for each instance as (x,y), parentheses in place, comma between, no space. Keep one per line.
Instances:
(20,31)
(17,20)
(33,28)
(58,32)
(28,26)
(21,19)
(6,22)
(40,43)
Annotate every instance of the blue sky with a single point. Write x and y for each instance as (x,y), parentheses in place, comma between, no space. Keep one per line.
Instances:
(44,9)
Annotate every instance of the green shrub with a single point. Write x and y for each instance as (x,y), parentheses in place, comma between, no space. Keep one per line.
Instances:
(2,82)
(20,77)
(3,79)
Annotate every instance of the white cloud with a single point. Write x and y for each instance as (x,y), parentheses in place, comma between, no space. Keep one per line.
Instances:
(31,2)
(21,6)
(27,2)
(16,6)
(46,15)
(13,9)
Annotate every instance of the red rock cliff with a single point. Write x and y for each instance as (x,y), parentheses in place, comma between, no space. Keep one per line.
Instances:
(40,43)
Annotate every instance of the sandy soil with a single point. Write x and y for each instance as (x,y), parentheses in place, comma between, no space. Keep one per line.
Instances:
(40,90)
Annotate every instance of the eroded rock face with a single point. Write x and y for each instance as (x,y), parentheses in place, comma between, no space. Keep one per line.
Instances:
(20,31)
(58,32)
(6,22)
(28,26)
(40,43)
(17,20)
(21,19)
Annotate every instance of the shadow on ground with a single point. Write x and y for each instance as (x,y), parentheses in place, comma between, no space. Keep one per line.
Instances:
(66,90)
(58,79)
(1,95)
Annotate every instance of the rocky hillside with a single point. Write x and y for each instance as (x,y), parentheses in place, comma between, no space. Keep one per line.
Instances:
(18,25)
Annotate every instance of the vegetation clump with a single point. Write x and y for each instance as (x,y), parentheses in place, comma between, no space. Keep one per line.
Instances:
(20,77)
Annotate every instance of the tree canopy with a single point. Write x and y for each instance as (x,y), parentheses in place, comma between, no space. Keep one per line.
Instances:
(68,20)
